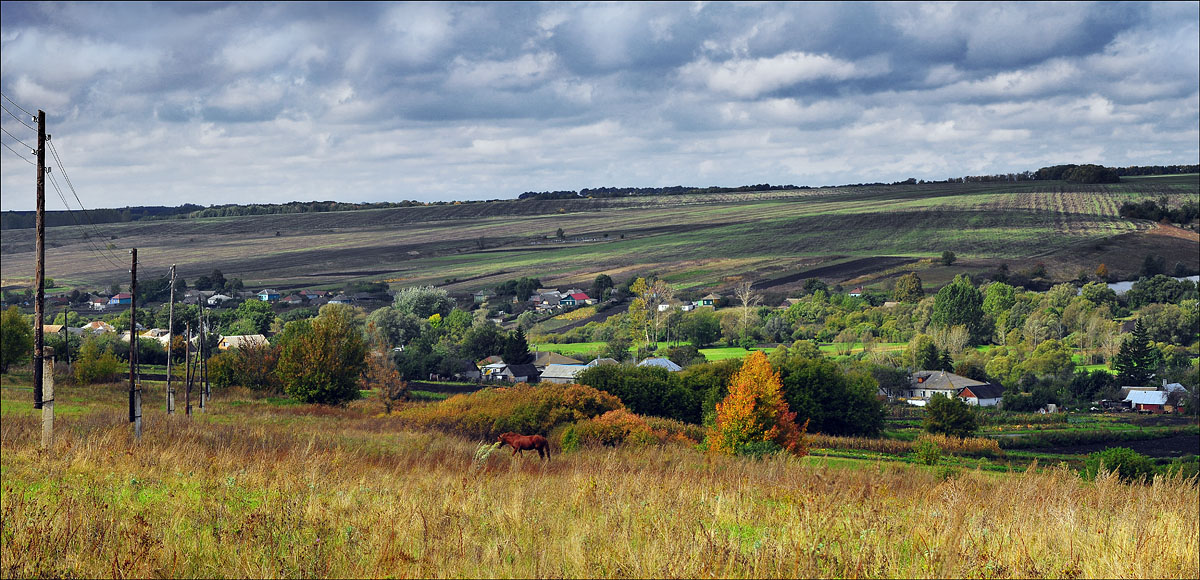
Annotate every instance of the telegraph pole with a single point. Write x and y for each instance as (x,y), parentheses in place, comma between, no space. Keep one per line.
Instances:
(135,392)
(39,278)
(170,342)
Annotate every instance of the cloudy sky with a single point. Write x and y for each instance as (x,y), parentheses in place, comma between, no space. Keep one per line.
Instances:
(163,104)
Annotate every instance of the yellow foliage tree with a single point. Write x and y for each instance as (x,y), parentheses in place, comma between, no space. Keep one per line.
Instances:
(755,411)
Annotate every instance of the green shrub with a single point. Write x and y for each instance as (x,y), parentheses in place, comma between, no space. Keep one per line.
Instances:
(927,452)
(95,364)
(1129,464)
(570,440)
(1183,467)
(758,449)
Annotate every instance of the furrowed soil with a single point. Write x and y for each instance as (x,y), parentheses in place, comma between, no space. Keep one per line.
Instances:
(777,238)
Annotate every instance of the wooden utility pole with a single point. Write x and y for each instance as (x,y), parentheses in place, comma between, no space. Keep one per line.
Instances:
(170,343)
(39,277)
(135,391)
(200,362)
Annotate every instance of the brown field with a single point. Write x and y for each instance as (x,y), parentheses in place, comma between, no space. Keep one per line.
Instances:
(865,234)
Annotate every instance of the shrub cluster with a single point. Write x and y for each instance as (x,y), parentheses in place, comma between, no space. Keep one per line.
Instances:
(521,409)
(974,446)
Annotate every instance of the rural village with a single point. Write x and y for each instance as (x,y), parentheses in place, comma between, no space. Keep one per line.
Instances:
(600,290)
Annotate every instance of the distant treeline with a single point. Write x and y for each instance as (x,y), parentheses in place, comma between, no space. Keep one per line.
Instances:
(1159,210)
(644,191)
(1070,172)
(26,219)
(1076,174)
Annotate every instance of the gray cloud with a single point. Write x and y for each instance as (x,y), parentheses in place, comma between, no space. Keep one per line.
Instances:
(215,103)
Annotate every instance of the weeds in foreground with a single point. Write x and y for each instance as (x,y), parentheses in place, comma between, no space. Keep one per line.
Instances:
(257,490)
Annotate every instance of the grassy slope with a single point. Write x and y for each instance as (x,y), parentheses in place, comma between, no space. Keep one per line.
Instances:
(700,240)
(254,489)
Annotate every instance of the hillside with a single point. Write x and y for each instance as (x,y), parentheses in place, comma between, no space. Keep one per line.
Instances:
(859,235)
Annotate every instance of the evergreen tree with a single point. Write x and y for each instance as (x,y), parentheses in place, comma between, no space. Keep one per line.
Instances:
(516,348)
(1137,360)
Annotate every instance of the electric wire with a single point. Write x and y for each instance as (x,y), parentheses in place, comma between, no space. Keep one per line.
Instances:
(23,158)
(87,238)
(18,118)
(15,104)
(63,169)
(18,140)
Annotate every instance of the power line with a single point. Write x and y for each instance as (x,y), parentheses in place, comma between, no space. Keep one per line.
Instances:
(63,169)
(23,158)
(18,140)
(85,237)
(15,104)
(17,117)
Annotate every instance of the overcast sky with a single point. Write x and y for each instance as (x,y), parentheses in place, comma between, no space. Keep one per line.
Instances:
(208,103)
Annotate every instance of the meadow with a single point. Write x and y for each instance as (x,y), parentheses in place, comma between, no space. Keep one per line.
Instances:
(259,488)
(694,241)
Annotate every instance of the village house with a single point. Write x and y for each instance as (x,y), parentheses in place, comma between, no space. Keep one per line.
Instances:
(661,363)
(218,299)
(120,299)
(98,303)
(98,326)
(562,374)
(543,359)
(268,295)
(240,340)
(986,395)
(925,384)
(710,300)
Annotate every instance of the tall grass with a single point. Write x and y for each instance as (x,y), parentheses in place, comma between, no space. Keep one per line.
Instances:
(254,490)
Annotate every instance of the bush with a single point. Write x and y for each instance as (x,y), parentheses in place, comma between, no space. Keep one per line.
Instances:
(321,361)
(1127,463)
(95,364)
(949,416)
(615,428)
(1183,467)
(16,346)
(927,452)
(521,409)
(252,366)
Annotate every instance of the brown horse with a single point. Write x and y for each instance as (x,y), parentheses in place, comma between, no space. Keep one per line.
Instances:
(520,443)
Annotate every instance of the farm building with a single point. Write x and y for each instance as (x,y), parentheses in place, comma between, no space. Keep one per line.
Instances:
(1147,401)
(562,374)
(987,395)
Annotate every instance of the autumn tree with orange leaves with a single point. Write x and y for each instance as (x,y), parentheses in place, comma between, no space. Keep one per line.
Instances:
(754,417)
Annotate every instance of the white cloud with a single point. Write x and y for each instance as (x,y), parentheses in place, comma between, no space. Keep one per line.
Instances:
(749,78)
(524,71)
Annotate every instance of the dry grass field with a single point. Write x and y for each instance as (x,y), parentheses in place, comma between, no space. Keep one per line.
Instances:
(258,488)
(702,240)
